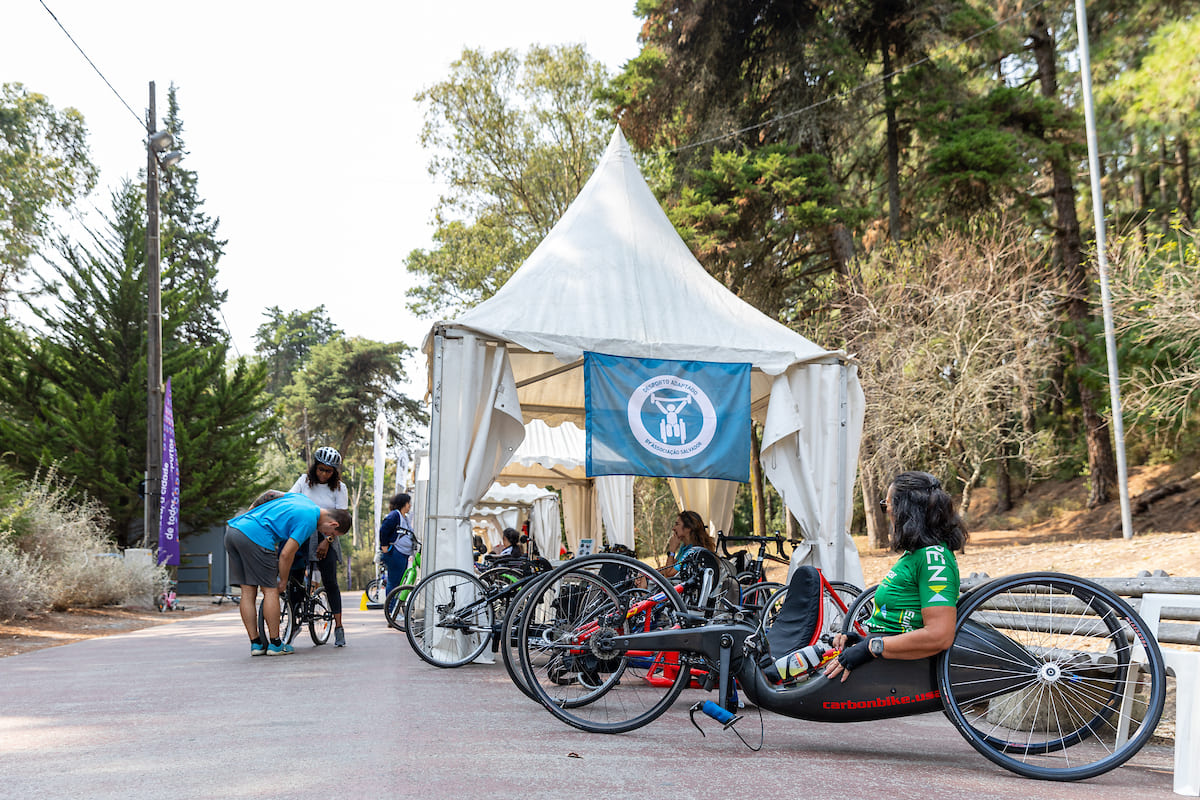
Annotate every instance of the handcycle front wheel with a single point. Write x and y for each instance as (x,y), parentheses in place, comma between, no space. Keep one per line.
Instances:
(320,624)
(510,632)
(449,618)
(287,626)
(567,649)
(1038,674)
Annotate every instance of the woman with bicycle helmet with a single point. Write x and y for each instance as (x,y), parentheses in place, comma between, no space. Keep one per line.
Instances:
(322,484)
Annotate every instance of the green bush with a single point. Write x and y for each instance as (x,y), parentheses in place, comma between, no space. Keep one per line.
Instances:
(55,552)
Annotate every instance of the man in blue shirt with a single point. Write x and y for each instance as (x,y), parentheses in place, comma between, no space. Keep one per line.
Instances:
(252,541)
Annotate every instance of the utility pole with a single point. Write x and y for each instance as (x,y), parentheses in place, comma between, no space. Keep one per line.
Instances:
(154,380)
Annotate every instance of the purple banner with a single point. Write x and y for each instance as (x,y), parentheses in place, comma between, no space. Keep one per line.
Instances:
(168,520)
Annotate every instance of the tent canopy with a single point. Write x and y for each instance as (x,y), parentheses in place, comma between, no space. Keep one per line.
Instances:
(614,277)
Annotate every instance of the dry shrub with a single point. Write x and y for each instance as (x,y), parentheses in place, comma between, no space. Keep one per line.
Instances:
(22,583)
(61,547)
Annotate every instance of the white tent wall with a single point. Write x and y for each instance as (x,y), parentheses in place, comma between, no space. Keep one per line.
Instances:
(545,527)
(809,453)
(475,427)
(581,515)
(711,499)
(615,496)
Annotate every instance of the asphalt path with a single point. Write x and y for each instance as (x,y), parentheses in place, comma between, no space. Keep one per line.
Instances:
(183,711)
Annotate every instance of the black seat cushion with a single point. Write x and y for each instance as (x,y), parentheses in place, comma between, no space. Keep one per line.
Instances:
(796,624)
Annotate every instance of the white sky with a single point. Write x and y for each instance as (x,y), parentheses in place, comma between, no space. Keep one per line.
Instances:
(300,122)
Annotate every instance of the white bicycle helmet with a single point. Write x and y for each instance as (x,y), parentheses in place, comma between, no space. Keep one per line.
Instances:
(328,456)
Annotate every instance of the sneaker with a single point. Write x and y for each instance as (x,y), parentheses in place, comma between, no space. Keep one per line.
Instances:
(258,649)
(280,650)
(339,637)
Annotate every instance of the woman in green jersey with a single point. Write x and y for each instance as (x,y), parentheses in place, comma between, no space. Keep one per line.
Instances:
(915,604)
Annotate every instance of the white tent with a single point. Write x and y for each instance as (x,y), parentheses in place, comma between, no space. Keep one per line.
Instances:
(503,505)
(614,277)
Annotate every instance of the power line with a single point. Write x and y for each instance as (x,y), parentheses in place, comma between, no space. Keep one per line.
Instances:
(854,89)
(141,122)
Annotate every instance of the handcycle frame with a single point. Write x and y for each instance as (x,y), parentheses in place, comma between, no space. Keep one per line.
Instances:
(1021,640)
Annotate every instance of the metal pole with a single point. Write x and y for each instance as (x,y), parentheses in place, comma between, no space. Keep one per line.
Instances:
(1110,339)
(840,532)
(154,383)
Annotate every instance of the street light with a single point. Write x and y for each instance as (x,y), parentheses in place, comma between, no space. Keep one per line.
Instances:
(156,142)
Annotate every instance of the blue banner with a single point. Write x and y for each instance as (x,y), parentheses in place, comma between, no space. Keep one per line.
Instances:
(679,419)
(168,519)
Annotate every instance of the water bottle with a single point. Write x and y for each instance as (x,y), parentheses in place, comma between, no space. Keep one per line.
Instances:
(796,665)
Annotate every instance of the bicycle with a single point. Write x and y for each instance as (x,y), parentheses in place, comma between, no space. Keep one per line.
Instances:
(1035,679)
(311,609)
(393,604)
(167,599)
(376,586)
(452,615)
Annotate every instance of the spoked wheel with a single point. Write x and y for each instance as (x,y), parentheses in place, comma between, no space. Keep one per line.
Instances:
(393,606)
(510,632)
(449,618)
(375,589)
(287,627)
(835,615)
(1038,671)
(756,597)
(568,655)
(859,611)
(320,625)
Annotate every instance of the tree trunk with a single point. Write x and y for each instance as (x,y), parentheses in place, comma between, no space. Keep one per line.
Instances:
(893,145)
(1164,184)
(1069,247)
(876,518)
(1139,191)
(757,504)
(1182,153)
(1004,486)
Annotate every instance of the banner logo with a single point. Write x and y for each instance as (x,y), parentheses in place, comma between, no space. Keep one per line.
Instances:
(672,417)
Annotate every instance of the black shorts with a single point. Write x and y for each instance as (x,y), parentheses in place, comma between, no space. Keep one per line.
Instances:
(250,564)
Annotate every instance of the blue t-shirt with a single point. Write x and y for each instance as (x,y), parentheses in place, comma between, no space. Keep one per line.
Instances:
(292,516)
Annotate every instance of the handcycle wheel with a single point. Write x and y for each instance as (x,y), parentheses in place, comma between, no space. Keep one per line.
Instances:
(393,606)
(1038,671)
(320,624)
(859,611)
(449,618)
(496,580)
(569,659)
(510,632)
(375,590)
(287,626)
(835,616)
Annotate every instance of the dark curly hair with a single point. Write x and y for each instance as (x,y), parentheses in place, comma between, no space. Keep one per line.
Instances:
(699,531)
(923,514)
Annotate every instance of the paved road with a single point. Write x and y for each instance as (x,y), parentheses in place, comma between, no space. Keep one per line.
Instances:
(182,711)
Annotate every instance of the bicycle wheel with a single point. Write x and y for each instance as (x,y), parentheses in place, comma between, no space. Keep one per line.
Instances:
(287,627)
(859,611)
(510,634)
(834,613)
(569,659)
(449,618)
(320,623)
(1038,671)
(496,580)
(755,596)
(375,589)
(393,606)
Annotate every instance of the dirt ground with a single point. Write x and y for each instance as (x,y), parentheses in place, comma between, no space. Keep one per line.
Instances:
(1048,530)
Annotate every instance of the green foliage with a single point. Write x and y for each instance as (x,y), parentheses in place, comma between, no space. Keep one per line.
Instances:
(44,164)
(284,341)
(513,141)
(76,393)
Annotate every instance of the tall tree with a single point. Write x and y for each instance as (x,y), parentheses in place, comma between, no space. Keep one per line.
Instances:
(44,165)
(513,141)
(77,391)
(284,341)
